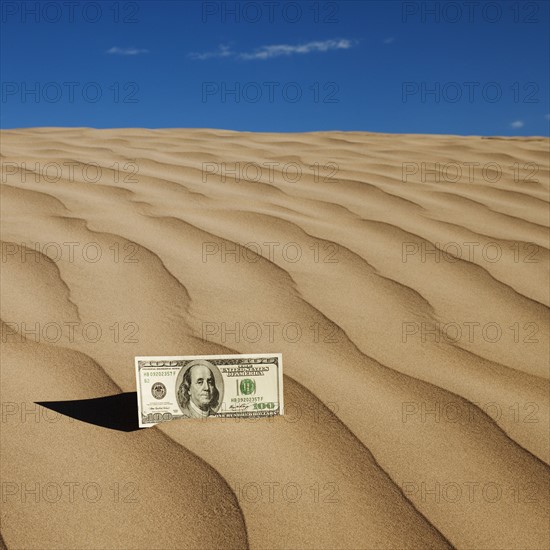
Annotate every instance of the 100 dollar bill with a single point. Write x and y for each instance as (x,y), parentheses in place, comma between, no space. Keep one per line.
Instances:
(202,386)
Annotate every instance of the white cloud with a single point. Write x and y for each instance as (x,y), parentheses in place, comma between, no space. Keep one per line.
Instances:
(267,52)
(389,40)
(222,51)
(517,124)
(277,50)
(115,50)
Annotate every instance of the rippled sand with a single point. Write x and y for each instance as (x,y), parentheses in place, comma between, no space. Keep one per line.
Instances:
(412,316)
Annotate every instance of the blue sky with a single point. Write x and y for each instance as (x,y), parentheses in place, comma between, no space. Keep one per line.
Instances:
(469,68)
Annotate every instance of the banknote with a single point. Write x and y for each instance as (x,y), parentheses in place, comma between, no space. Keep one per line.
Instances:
(203,386)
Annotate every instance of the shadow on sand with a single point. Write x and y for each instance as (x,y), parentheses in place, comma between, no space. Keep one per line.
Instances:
(116,412)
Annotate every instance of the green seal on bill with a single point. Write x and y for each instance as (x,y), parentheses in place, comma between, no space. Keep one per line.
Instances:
(248,386)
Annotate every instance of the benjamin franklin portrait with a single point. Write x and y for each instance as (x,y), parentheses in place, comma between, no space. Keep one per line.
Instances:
(198,393)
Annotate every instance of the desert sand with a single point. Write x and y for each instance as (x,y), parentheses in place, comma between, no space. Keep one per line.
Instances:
(412,315)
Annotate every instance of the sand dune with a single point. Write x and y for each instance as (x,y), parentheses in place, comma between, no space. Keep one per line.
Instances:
(410,305)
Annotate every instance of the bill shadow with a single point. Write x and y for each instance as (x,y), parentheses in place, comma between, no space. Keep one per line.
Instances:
(116,412)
